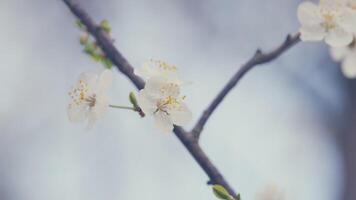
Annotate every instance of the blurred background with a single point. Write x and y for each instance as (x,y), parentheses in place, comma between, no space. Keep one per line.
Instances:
(286,131)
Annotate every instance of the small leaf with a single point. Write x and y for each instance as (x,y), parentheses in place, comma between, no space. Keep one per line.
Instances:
(105,26)
(221,193)
(107,62)
(96,57)
(80,25)
(89,48)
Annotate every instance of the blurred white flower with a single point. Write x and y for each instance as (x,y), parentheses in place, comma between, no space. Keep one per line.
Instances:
(270,192)
(157,68)
(89,100)
(351,4)
(347,57)
(329,20)
(161,98)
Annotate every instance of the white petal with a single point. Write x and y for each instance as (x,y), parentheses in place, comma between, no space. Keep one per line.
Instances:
(146,103)
(338,37)
(101,106)
(104,81)
(89,78)
(170,89)
(77,113)
(163,122)
(91,121)
(312,33)
(153,87)
(158,69)
(348,67)
(181,116)
(308,14)
(339,53)
(159,87)
(146,71)
(348,21)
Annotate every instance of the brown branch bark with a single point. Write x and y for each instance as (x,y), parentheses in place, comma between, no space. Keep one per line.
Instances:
(257,59)
(123,66)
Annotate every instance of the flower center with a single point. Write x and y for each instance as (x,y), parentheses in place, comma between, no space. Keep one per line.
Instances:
(80,95)
(165,104)
(329,20)
(164,66)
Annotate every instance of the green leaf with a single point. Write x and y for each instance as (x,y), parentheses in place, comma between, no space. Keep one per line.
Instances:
(221,193)
(81,26)
(96,57)
(105,26)
(107,62)
(89,48)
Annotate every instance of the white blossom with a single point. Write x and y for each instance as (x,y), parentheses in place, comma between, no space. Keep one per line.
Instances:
(347,57)
(89,100)
(351,5)
(161,98)
(157,68)
(330,20)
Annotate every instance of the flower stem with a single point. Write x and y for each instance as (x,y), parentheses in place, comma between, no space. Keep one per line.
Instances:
(122,107)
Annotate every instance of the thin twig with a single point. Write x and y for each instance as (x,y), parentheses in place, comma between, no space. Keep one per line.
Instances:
(122,107)
(122,65)
(257,59)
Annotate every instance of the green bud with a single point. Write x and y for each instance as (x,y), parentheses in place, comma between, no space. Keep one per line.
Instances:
(105,26)
(89,48)
(221,193)
(133,100)
(84,39)
(81,26)
(107,62)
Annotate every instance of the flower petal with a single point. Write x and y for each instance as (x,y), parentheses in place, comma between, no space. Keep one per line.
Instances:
(308,14)
(338,37)
(348,67)
(348,21)
(101,106)
(312,33)
(146,103)
(77,113)
(159,87)
(89,78)
(104,81)
(146,71)
(163,122)
(339,53)
(181,116)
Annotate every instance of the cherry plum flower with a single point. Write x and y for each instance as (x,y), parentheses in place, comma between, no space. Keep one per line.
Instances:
(162,100)
(89,100)
(329,21)
(347,57)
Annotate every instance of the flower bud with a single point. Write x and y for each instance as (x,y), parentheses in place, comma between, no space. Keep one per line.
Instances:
(84,39)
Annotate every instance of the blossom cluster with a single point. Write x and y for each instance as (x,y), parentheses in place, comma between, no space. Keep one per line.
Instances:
(333,21)
(160,97)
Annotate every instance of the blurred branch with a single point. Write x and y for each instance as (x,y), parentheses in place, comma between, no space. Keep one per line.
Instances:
(123,66)
(257,59)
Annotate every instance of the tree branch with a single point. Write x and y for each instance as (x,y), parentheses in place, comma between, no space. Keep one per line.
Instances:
(187,139)
(257,59)
(105,42)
